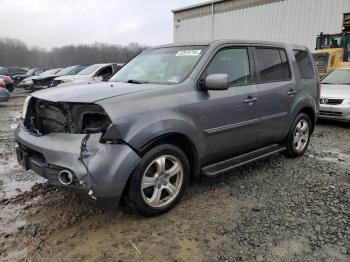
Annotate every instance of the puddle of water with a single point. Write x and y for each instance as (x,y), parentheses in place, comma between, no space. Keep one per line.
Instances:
(335,157)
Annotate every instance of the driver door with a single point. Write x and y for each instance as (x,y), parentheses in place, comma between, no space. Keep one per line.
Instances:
(230,121)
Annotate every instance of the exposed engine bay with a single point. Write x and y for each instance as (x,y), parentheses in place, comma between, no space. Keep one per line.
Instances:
(44,117)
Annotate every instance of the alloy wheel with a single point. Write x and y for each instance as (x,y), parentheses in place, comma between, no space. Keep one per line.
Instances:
(301,135)
(162,181)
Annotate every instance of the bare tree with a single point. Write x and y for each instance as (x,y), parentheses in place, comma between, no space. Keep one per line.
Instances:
(14,52)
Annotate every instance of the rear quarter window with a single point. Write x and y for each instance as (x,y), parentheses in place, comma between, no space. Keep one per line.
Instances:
(304,64)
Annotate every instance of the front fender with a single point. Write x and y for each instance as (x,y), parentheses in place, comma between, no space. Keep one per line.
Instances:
(139,130)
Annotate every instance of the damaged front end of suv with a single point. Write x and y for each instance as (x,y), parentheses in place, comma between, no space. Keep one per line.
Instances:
(64,143)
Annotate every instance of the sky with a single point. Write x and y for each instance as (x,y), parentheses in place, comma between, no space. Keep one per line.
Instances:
(51,23)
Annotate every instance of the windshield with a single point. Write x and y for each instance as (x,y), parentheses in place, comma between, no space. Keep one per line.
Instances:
(49,72)
(338,76)
(77,70)
(332,41)
(66,71)
(163,66)
(30,72)
(89,70)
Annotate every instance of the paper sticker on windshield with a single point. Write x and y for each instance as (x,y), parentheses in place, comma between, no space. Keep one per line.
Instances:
(188,53)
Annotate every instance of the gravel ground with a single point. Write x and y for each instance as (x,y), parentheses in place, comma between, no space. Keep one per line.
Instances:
(279,209)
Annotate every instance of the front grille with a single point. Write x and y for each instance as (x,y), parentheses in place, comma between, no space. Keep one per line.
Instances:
(330,113)
(331,101)
(43,82)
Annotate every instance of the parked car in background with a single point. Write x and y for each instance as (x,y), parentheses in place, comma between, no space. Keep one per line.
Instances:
(4,93)
(28,83)
(12,71)
(93,73)
(17,79)
(8,83)
(173,112)
(43,82)
(75,70)
(335,95)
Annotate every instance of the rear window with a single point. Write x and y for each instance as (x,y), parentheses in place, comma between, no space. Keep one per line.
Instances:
(272,63)
(304,63)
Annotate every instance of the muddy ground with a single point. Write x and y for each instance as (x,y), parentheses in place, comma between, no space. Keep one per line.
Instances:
(278,209)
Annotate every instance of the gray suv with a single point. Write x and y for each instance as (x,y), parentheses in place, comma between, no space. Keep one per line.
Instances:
(172,113)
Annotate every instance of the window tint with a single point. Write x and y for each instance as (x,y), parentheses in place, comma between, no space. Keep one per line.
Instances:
(234,62)
(272,63)
(305,65)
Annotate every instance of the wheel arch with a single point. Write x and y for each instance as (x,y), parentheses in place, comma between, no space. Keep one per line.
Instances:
(307,106)
(311,113)
(180,140)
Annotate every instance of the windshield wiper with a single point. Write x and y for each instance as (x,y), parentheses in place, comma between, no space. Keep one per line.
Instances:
(131,81)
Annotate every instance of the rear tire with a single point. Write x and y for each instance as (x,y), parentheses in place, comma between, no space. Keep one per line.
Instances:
(299,135)
(159,182)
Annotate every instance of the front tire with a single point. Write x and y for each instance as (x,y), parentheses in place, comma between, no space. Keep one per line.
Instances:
(159,182)
(299,136)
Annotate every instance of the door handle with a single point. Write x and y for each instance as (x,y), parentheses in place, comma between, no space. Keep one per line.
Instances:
(250,99)
(292,92)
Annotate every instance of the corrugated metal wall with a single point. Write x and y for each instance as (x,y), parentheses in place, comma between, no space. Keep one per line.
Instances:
(293,21)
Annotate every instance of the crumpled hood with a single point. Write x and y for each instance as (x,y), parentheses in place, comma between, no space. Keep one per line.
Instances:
(43,77)
(75,78)
(89,93)
(38,77)
(335,91)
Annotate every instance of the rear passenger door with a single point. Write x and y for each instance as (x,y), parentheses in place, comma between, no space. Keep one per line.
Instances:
(276,92)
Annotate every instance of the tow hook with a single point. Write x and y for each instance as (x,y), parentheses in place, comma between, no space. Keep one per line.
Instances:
(92,195)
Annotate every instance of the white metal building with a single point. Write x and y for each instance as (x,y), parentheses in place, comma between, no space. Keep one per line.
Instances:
(293,21)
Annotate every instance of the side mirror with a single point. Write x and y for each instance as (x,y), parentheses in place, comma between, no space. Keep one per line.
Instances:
(216,82)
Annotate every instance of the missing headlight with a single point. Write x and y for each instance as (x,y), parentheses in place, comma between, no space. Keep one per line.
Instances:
(95,122)
(47,117)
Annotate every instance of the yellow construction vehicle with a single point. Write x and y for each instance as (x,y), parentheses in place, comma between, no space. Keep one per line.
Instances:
(332,51)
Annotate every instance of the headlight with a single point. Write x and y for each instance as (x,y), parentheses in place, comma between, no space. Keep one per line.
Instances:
(28,82)
(25,106)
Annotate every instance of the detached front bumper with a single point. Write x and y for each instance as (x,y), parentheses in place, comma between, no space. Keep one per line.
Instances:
(108,166)
(335,112)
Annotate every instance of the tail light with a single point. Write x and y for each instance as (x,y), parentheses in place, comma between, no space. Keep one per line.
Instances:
(2,84)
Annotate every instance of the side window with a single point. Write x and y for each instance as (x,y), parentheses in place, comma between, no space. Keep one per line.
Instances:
(234,62)
(305,65)
(106,72)
(272,63)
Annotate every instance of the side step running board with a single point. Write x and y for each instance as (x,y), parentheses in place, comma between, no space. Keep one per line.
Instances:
(232,163)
